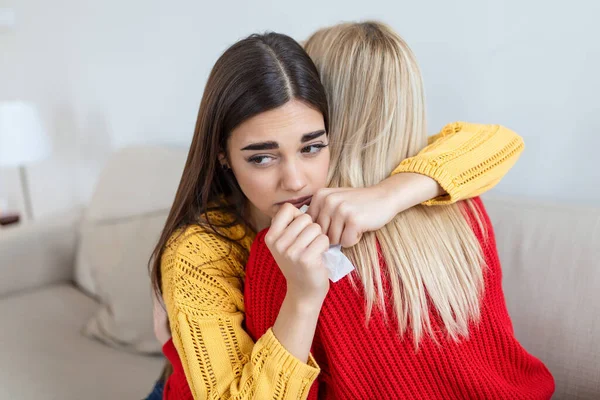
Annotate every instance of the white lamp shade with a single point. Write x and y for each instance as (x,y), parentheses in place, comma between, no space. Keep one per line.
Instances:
(23,139)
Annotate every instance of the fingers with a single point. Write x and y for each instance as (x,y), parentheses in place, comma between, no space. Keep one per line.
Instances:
(339,213)
(328,203)
(321,199)
(291,234)
(316,203)
(324,221)
(317,247)
(336,228)
(348,230)
(350,236)
(332,210)
(303,240)
(286,214)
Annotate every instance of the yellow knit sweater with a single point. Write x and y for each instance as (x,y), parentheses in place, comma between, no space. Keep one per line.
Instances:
(203,277)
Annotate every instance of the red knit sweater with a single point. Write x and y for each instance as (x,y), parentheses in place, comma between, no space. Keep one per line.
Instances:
(372,362)
(176,386)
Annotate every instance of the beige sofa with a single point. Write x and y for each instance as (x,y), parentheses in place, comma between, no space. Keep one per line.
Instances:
(550,256)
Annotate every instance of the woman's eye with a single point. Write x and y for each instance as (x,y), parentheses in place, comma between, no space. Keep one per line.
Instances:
(313,148)
(259,160)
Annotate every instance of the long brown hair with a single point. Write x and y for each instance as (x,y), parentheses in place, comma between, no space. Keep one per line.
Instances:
(256,74)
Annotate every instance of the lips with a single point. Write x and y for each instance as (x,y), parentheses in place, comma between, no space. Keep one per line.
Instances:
(299,202)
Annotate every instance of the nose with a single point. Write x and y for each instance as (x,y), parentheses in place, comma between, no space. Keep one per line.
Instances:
(293,178)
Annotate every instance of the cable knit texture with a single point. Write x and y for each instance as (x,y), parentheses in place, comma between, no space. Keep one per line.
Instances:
(466,159)
(203,278)
(361,361)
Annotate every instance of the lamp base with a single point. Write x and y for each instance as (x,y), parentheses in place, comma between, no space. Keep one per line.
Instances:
(8,219)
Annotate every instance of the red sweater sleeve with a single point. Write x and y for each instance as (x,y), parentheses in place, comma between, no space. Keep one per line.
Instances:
(176,386)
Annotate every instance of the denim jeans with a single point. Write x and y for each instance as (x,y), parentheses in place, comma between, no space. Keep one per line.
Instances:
(157,392)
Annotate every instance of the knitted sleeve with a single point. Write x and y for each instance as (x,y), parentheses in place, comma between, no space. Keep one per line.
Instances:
(202,277)
(466,159)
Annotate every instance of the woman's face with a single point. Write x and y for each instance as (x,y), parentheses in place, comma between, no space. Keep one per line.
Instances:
(279,156)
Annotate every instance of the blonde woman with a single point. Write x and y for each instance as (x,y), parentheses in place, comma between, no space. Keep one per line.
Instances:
(261,149)
(423,316)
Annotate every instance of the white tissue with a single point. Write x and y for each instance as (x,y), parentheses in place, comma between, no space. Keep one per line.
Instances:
(337,264)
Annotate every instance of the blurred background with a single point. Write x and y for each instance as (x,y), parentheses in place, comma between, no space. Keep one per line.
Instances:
(108,74)
(98,102)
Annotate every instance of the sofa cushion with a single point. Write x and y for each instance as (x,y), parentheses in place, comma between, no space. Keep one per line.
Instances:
(136,181)
(119,252)
(44,355)
(120,228)
(551,265)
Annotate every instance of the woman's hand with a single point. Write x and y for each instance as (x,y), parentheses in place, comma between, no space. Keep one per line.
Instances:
(162,330)
(345,214)
(298,244)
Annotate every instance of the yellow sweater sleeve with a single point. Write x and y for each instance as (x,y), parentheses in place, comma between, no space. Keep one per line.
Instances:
(466,159)
(202,279)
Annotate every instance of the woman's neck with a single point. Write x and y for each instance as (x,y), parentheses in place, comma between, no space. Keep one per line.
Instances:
(257,219)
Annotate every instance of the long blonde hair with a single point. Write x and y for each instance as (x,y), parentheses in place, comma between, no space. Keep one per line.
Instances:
(377,116)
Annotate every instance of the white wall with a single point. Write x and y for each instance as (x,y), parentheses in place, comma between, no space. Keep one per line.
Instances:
(110,73)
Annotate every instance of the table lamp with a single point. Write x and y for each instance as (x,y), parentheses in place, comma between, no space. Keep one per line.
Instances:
(23,141)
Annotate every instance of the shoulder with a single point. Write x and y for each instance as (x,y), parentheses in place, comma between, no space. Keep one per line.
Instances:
(196,248)
(204,270)
(199,243)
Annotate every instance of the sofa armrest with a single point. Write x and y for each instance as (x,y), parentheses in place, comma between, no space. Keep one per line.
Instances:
(38,253)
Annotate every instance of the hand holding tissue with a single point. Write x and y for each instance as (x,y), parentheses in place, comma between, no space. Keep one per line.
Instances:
(337,264)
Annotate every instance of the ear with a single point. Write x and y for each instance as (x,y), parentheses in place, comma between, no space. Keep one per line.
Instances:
(223,161)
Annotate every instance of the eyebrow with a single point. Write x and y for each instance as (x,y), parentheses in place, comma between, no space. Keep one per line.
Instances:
(274,145)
